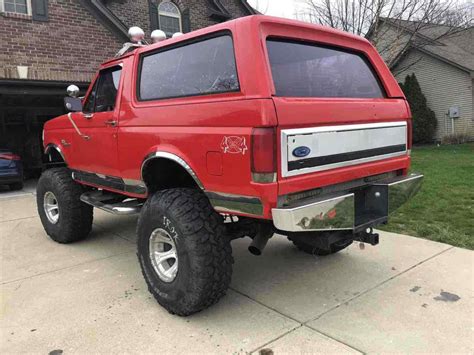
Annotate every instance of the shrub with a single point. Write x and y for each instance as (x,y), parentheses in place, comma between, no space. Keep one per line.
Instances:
(424,119)
(457,138)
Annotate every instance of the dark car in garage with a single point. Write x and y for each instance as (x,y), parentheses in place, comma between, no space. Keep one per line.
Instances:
(11,169)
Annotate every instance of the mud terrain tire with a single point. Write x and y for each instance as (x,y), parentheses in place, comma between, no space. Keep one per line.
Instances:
(204,255)
(74,217)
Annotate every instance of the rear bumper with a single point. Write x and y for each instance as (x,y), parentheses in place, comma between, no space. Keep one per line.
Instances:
(357,210)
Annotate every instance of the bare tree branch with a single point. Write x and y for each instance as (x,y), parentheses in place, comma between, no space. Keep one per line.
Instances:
(392,25)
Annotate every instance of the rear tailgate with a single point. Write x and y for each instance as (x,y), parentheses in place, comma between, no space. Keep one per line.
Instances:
(347,140)
(339,119)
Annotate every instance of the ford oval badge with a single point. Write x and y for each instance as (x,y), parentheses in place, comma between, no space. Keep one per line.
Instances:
(301,152)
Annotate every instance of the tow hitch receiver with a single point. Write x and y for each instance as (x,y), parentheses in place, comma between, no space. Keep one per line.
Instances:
(367,236)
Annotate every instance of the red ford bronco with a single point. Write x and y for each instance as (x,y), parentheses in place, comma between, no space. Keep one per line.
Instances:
(244,129)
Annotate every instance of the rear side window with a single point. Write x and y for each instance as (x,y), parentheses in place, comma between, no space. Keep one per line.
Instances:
(205,67)
(308,70)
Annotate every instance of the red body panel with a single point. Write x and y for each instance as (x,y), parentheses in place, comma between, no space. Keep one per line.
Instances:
(193,128)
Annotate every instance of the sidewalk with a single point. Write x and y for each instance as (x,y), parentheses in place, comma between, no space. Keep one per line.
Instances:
(405,295)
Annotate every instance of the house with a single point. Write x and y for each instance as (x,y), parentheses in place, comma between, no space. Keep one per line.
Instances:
(442,59)
(49,44)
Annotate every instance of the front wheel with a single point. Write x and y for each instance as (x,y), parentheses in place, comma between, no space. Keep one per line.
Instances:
(64,216)
(183,251)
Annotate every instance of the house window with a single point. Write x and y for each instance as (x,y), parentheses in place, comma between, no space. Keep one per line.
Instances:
(169,18)
(16,6)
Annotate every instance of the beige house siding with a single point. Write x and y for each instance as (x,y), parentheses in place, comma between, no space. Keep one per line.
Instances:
(444,85)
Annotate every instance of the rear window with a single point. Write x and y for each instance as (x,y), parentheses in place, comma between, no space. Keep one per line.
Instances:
(308,70)
(202,68)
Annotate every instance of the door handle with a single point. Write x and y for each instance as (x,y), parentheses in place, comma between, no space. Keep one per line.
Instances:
(88,116)
(112,123)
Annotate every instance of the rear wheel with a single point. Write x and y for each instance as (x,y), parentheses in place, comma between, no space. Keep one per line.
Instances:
(183,251)
(64,216)
(307,245)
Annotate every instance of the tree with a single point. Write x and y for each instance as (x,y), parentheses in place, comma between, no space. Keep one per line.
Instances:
(261,6)
(424,119)
(408,20)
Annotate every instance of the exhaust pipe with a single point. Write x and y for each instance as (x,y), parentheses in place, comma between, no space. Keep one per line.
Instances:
(258,243)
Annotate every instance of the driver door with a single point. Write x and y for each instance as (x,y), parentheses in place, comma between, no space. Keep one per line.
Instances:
(96,151)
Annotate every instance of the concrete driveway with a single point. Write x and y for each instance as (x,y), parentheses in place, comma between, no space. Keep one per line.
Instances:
(405,295)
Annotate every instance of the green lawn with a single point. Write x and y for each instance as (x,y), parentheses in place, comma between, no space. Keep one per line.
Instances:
(444,208)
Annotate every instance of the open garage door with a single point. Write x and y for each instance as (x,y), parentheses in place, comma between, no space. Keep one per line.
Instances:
(24,108)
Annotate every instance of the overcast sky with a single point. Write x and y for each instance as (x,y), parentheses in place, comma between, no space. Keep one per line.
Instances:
(282,8)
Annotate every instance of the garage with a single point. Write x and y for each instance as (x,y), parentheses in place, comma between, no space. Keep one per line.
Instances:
(25,106)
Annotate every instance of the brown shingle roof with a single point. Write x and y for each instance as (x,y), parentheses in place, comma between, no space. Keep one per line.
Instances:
(454,45)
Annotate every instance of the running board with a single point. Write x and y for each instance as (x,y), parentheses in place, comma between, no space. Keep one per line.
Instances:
(112,203)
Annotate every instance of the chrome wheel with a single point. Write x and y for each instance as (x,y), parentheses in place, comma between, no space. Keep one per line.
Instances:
(163,255)
(51,207)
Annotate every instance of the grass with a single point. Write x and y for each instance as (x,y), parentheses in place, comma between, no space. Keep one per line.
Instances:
(443,210)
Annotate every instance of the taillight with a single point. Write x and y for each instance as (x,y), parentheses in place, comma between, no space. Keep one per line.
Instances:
(263,155)
(409,133)
(409,126)
(9,156)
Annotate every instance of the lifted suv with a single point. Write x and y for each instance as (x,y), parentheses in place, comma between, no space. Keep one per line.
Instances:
(245,129)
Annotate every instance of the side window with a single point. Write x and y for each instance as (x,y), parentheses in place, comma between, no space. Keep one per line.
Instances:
(104,93)
(205,67)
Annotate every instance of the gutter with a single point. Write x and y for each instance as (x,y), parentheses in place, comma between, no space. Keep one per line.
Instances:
(219,12)
(249,8)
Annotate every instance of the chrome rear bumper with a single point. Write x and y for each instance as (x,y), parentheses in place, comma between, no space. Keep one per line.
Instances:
(366,207)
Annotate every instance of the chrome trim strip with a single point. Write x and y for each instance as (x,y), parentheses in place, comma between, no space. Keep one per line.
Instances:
(132,185)
(339,128)
(54,146)
(175,158)
(111,182)
(230,203)
(336,213)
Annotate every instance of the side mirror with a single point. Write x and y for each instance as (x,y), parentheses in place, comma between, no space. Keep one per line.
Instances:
(72,102)
(72,91)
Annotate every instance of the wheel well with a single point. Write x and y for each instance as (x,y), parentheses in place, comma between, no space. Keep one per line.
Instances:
(54,158)
(161,174)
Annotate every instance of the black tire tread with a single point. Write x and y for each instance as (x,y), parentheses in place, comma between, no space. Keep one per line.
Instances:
(75,215)
(205,237)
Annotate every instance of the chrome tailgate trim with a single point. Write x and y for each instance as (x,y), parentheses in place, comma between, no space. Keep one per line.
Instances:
(343,145)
